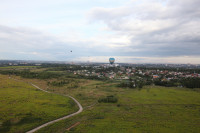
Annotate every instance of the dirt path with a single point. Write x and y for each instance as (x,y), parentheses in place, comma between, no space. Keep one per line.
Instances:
(73,126)
(62,118)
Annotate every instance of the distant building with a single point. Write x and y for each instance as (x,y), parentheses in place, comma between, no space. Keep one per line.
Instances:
(155,76)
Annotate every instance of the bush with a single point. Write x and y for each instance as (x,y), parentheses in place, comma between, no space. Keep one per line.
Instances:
(171,83)
(191,82)
(59,83)
(108,99)
(132,84)
(6,125)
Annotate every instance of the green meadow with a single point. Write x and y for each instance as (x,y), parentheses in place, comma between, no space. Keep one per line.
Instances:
(23,107)
(152,109)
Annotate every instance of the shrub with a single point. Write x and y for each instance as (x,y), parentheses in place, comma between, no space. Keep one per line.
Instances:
(108,99)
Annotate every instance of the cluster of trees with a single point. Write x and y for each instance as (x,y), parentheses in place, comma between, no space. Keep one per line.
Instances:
(59,83)
(108,99)
(39,75)
(72,83)
(175,69)
(28,74)
(91,77)
(48,75)
(170,83)
(185,82)
(191,82)
(65,67)
(137,83)
(130,84)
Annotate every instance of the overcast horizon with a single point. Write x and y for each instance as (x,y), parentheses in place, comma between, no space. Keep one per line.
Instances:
(131,31)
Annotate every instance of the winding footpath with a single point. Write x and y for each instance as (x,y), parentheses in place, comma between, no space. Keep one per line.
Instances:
(62,118)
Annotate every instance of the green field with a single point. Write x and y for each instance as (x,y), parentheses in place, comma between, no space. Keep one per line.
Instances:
(23,107)
(153,109)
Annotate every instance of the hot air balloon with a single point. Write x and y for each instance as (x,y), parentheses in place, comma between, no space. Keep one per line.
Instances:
(111,60)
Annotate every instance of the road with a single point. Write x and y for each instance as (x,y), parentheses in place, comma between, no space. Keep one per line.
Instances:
(62,118)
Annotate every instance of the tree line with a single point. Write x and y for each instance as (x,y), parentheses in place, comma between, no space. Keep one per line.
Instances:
(29,74)
(183,82)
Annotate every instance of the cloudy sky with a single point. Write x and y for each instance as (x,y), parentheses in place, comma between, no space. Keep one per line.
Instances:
(132,31)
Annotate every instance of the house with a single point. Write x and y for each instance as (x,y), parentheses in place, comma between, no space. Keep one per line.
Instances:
(155,76)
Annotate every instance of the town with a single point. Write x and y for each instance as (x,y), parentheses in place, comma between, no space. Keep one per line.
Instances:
(127,75)
(100,92)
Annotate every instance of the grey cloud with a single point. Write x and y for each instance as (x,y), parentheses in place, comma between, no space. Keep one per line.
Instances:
(26,43)
(162,29)
(23,43)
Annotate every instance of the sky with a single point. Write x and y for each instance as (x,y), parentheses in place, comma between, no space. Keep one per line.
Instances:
(131,31)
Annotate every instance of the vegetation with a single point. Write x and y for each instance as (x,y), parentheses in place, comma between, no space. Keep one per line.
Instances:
(153,109)
(23,107)
(191,82)
(166,83)
(108,99)
(109,106)
(60,83)
(29,74)
(136,83)
(185,82)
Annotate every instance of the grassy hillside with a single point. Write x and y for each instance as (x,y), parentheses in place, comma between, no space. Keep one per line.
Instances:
(155,110)
(23,107)
(152,109)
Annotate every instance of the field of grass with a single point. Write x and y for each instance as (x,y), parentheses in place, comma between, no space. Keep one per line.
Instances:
(153,109)
(23,107)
